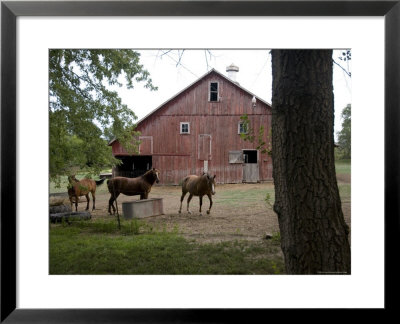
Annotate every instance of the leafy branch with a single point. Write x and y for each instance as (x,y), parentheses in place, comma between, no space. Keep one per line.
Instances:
(85,113)
(249,135)
(345,57)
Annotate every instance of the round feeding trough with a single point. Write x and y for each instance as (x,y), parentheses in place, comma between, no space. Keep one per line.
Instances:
(142,208)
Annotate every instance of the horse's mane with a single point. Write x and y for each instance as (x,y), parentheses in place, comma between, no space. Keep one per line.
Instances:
(206,174)
(150,176)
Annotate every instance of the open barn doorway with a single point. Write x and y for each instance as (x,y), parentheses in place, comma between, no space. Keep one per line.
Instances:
(133,166)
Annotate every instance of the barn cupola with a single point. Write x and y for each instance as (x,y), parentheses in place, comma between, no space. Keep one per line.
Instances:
(232,72)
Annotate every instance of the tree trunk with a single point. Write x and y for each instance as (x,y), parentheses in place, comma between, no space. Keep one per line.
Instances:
(314,235)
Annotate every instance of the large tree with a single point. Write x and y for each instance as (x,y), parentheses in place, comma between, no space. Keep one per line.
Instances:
(314,235)
(84,113)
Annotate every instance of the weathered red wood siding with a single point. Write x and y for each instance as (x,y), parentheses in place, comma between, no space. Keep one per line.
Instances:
(177,155)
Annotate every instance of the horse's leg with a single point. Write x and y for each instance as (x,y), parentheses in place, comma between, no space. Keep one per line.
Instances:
(94,199)
(182,197)
(70,199)
(76,203)
(111,204)
(188,201)
(201,203)
(209,197)
(87,200)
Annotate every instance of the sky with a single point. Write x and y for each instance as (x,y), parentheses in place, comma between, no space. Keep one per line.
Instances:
(172,71)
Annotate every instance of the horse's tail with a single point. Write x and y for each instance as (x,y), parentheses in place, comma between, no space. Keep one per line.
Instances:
(110,185)
(99,182)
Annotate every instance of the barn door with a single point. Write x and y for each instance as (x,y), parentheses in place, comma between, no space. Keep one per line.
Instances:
(251,171)
(204,150)
(146,145)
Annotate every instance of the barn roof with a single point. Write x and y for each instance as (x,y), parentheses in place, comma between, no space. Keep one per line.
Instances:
(191,85)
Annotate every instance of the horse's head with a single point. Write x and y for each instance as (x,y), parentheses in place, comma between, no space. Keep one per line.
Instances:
(156,174)
(72,179)
(210,183)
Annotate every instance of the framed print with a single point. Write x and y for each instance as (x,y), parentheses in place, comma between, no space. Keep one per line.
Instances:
(166,291)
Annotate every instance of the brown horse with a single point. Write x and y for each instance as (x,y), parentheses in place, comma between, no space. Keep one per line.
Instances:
(131,186)
(198,186)
(78,188)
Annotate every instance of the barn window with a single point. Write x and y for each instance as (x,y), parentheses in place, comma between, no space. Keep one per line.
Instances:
(243,128)
(185,128)
(213,95)
(236,157)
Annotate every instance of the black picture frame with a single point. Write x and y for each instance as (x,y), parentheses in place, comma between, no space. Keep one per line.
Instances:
(10,10)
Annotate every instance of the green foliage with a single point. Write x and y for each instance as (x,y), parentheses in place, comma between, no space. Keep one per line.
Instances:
(344,136)
(262,146)
(268,200)
(84,114)
(276,237)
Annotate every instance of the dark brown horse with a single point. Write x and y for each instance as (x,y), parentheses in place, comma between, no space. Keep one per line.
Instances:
(198,186)
(78,188)
(131,186)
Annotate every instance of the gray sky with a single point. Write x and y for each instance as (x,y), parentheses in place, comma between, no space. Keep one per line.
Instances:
(254,75)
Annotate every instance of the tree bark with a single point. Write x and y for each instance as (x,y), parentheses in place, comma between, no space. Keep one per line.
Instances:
(314,235)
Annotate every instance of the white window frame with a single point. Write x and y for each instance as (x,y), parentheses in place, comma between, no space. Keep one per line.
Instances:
(180,128)
(239,124)
(209,91)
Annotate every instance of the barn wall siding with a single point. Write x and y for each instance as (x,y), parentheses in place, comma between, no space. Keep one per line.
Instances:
(177,155)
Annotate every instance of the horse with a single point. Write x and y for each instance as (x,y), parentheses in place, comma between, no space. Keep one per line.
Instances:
(77,188)
(198,186)
(132,186)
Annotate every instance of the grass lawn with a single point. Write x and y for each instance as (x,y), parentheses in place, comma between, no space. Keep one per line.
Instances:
(237,198)
(343,166)
(100,248)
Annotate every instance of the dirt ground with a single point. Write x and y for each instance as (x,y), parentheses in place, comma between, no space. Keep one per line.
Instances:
(238,212)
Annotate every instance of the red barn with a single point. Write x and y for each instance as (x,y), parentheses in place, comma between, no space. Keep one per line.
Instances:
(199,130)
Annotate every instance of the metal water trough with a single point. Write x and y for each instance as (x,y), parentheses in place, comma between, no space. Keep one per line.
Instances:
(143,208)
